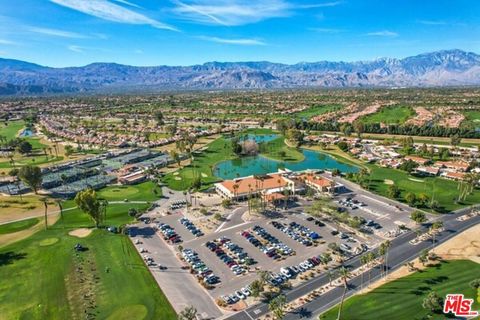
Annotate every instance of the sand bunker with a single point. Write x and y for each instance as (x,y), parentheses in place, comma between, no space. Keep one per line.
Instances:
(80,233)
(388,181)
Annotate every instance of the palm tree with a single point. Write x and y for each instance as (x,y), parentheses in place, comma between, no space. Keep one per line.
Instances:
(60,207)
(383,251)
(277,306)
(235,189)
(434,228)
(363,261)
(370,258)
(45,204)
(344,275)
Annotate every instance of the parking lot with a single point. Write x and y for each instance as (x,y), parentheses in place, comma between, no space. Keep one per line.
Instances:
(291,242)
(220,263)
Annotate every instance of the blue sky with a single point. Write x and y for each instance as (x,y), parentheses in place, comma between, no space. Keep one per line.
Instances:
(184,32)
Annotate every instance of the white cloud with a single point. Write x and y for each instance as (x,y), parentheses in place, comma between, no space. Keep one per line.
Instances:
(128,3)
(106,10)
(432,22)
(7,42)
(231,13)
(384,33)
(57,33)
(75,48)
(243,42)
(321,5)
(240,12)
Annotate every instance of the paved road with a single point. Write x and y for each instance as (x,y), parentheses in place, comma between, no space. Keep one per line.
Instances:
(181,288)
(400,252)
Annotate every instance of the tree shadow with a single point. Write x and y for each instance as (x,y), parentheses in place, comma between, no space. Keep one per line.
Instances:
(9,257)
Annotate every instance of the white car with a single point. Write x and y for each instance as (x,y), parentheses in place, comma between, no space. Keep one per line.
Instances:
(240,295)
(285,272)
(245,291)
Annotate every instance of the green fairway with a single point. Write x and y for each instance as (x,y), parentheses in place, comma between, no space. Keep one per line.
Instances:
(44,278)
(30,160)
(218,150)
(390,115)
(316,111)
(472,119)
(145,191)
(278,150)
(402,299)
(18,225)
(12,128)
(442,190)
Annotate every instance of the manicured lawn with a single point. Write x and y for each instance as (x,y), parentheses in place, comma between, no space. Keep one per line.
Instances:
(145,191)
(44,278)
(402,299)
(472,118)
(278,150)
(442,190)
(11,129)
(390,115)
(18,225)
(316,111)
(32,160)
(218,150)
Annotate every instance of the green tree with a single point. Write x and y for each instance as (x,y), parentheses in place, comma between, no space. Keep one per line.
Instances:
(393,191)
(31,176)
(88,202)
(423,257)
(383,250)
(418,217)
(475,284)
(433,302)
(189,313)
(410,198)
(344,275)
(68,150)
(277,306)
(24,147)
(359,128)
(256,287)
(45,213)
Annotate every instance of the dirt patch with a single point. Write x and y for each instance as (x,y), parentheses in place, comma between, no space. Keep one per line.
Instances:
(461,247)
(9,238)
(80,233)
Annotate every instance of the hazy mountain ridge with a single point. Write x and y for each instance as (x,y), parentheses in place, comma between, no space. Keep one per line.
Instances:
(441,68)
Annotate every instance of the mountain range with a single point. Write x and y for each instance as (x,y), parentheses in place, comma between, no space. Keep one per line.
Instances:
(440,68)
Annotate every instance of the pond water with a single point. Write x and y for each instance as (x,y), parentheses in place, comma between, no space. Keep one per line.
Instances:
(26,133)
(247,166)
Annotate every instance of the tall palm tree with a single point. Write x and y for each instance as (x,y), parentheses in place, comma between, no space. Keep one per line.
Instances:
(235,189)
(383,251)
(363,261)
(434,228)
(370,259)
(45,204)
(344,275)
(60,207)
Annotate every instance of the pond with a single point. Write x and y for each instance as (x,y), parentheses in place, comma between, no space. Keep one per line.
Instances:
(247,166)
(26,133)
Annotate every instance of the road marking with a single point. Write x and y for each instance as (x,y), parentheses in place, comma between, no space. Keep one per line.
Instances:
(226,220)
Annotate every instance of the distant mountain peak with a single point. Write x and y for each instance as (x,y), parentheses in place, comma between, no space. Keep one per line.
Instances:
(440,68)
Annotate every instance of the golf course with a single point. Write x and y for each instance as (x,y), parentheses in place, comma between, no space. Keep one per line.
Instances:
(409,293)
(50,280)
